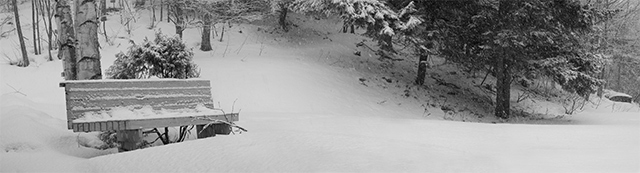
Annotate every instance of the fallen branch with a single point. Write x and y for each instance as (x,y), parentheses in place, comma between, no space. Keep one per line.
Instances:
(16,91)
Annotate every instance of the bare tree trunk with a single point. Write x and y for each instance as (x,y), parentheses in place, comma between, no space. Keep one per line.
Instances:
(422,68)
(88,56)
(206,33)
(179,19)
(103,19)
(386,43)
(619,87)
(153,9)
(23,48)
(503,88)
(222,33)
(283,16)
(45,8)
(33,26)
(103,8)
(38,11)
(344,27)
(66,39)
(161,9)
(601,86)
(50,32)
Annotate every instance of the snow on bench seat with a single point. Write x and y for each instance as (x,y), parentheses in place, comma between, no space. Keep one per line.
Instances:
(107,105)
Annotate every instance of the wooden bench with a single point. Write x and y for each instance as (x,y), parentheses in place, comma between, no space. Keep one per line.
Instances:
(112,105)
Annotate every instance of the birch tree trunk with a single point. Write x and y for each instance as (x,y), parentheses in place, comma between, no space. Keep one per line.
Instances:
(66,39)
(23,48)
(88,53)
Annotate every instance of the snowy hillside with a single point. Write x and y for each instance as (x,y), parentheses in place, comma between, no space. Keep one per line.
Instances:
(310,105)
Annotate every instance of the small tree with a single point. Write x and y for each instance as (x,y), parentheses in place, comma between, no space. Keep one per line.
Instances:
(165,57)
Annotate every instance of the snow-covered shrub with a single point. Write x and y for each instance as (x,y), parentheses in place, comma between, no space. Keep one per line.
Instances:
(165,57)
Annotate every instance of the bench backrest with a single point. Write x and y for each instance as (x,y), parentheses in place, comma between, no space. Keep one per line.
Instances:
(103,95)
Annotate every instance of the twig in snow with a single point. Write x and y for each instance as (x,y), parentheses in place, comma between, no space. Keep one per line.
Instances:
(233,105)
(16,91)
(242,45)
(226,48)
(261,48)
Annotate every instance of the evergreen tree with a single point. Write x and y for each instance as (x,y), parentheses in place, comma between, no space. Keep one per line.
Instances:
(514,37)
(381,22)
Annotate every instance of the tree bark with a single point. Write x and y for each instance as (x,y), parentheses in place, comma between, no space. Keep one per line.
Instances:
(503,88)
(422,68)
(88,56)
(206,33)
(23,48)
(66,39)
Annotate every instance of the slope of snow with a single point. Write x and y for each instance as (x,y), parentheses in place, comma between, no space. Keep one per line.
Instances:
(303,99)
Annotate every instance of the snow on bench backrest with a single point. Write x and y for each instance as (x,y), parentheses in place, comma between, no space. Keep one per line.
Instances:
(103,95)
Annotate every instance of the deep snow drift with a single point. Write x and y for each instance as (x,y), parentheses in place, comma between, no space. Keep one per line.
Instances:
(307,110)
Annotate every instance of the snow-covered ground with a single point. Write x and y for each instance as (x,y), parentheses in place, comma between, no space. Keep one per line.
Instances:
(302,97)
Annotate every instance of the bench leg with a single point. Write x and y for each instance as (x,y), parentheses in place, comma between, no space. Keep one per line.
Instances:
(129,139)
(207,132)
(212,130)
(222,129)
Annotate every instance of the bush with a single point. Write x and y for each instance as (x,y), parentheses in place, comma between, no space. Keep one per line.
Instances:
(165,57)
